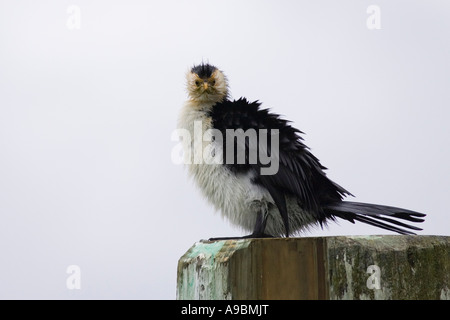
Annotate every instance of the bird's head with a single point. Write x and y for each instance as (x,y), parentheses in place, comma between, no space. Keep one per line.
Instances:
(206,83)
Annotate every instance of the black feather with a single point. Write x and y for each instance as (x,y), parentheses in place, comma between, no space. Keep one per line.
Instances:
(300,173)
(373,213)
(203,70)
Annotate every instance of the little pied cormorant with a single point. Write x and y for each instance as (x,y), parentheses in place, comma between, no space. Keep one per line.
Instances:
(295,196)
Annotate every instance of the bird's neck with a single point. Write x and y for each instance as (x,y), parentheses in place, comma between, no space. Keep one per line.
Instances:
(203,104)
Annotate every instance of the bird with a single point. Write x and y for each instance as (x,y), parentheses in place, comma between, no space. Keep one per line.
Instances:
(253,166)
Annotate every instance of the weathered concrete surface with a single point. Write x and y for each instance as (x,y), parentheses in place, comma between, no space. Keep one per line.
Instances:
(410,267)
(354,267)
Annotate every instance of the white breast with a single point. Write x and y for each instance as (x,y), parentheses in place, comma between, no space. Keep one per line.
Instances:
(235,196)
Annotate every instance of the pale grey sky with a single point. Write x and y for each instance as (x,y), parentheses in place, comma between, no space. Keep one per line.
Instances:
(90,93)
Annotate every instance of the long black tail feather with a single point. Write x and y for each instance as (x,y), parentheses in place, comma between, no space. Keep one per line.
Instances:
(376,215)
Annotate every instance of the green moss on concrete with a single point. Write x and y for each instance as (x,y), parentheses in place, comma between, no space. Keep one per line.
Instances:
(411,267)
(203,271)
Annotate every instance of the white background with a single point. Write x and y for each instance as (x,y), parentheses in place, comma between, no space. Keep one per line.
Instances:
(86,117)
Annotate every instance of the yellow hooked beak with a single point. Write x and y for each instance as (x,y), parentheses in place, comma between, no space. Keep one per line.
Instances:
(205,85)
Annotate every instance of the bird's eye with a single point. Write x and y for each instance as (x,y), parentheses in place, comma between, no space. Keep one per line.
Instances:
(197,82)
(213,82)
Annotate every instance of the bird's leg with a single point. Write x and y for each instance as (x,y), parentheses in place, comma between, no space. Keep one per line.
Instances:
(258,230)
(260,226)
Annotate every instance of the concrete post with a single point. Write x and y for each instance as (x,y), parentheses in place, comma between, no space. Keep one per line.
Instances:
(352,267)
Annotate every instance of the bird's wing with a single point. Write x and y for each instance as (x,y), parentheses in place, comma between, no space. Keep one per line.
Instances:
(299,172)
